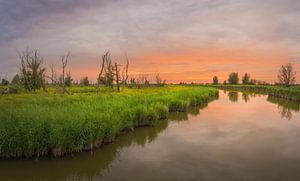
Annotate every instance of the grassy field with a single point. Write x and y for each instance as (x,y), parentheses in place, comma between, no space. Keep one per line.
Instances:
(290,93)
(46,123)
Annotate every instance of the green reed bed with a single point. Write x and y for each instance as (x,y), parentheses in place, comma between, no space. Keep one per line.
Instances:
(290,93)
(52,124)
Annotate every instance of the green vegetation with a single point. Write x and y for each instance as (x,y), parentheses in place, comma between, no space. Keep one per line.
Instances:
(215,80)
(85,81)
(246,79)
(4,82)
(233,78)
(68,79)
(286,108)
(41,123)
(290,93)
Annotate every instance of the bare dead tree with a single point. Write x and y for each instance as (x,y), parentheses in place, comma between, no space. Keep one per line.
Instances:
(111,73)
(104,59)
(146,81)
(142,81)
(158,80)
(286,75)
(132,82)
(53,75)
(32,74)
(125,73)
(108,71)
(64,62)
(117,76)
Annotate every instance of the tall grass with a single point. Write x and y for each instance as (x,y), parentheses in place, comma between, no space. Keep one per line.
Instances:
(52,124)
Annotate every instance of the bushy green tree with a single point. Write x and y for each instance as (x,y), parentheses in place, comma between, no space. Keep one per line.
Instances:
(215,80)
(246,79)
(233,78)
(68,79)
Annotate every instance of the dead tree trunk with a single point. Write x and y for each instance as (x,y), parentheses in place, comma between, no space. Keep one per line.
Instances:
(117,74)
(125,73)
(112,73)
(104,60)
(53,75)
(64,61)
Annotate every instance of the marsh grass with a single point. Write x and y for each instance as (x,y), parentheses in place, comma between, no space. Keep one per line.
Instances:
(42,124)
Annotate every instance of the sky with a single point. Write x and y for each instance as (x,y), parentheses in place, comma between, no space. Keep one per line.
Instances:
(190,40)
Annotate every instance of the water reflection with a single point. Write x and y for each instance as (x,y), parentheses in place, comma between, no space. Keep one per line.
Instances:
(233,96)
(286,108)
(178,116)
(246,96)
(183,116)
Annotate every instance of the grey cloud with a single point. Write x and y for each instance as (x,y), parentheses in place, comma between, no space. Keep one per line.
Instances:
(20,16)
(88,26)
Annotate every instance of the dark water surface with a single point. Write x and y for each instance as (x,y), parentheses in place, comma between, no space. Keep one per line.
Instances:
(238,137)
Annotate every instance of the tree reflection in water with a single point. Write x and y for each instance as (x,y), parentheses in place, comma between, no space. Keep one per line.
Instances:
(233,96)
(246,96)
(285,107)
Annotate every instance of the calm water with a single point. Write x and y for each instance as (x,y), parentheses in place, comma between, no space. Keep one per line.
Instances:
(237,137)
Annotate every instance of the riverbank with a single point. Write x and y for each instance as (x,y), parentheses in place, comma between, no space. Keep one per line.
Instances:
(44,124)
(290,93)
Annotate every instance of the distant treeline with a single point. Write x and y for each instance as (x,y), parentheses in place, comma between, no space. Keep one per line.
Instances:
(286,76)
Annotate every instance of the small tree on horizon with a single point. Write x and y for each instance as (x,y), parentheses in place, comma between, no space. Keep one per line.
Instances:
(16,79)
(159,81)
(215,80)
(4,81)
(246,78)
(85,81)
(253,81)
(233,78)
(68,80)
(286,75)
